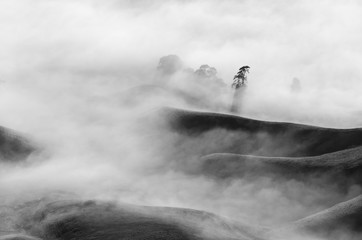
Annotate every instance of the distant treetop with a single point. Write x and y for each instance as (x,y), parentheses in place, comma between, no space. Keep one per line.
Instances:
(240,79)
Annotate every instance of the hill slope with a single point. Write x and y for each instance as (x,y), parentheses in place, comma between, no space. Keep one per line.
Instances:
(240,135)
(13,146)
(100,220)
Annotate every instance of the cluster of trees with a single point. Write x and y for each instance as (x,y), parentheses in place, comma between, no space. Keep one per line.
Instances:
(172,64)
(201,86)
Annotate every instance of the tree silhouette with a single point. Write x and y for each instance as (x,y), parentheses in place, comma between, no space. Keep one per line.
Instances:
(240,79)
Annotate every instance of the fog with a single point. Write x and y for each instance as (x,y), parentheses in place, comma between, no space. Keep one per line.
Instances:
(66,68)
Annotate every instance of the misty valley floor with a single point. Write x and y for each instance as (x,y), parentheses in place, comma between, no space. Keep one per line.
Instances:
(299,160)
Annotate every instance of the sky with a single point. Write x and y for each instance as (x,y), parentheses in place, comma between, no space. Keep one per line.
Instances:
(52,45)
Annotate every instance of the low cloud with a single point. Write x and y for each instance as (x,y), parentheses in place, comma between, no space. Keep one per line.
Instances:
(66,66)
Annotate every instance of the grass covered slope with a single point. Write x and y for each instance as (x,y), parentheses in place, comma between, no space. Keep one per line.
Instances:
(342,221)
(94,220)
(233,134)
(13,146)
(342,168)
(18,237)
(223,147)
